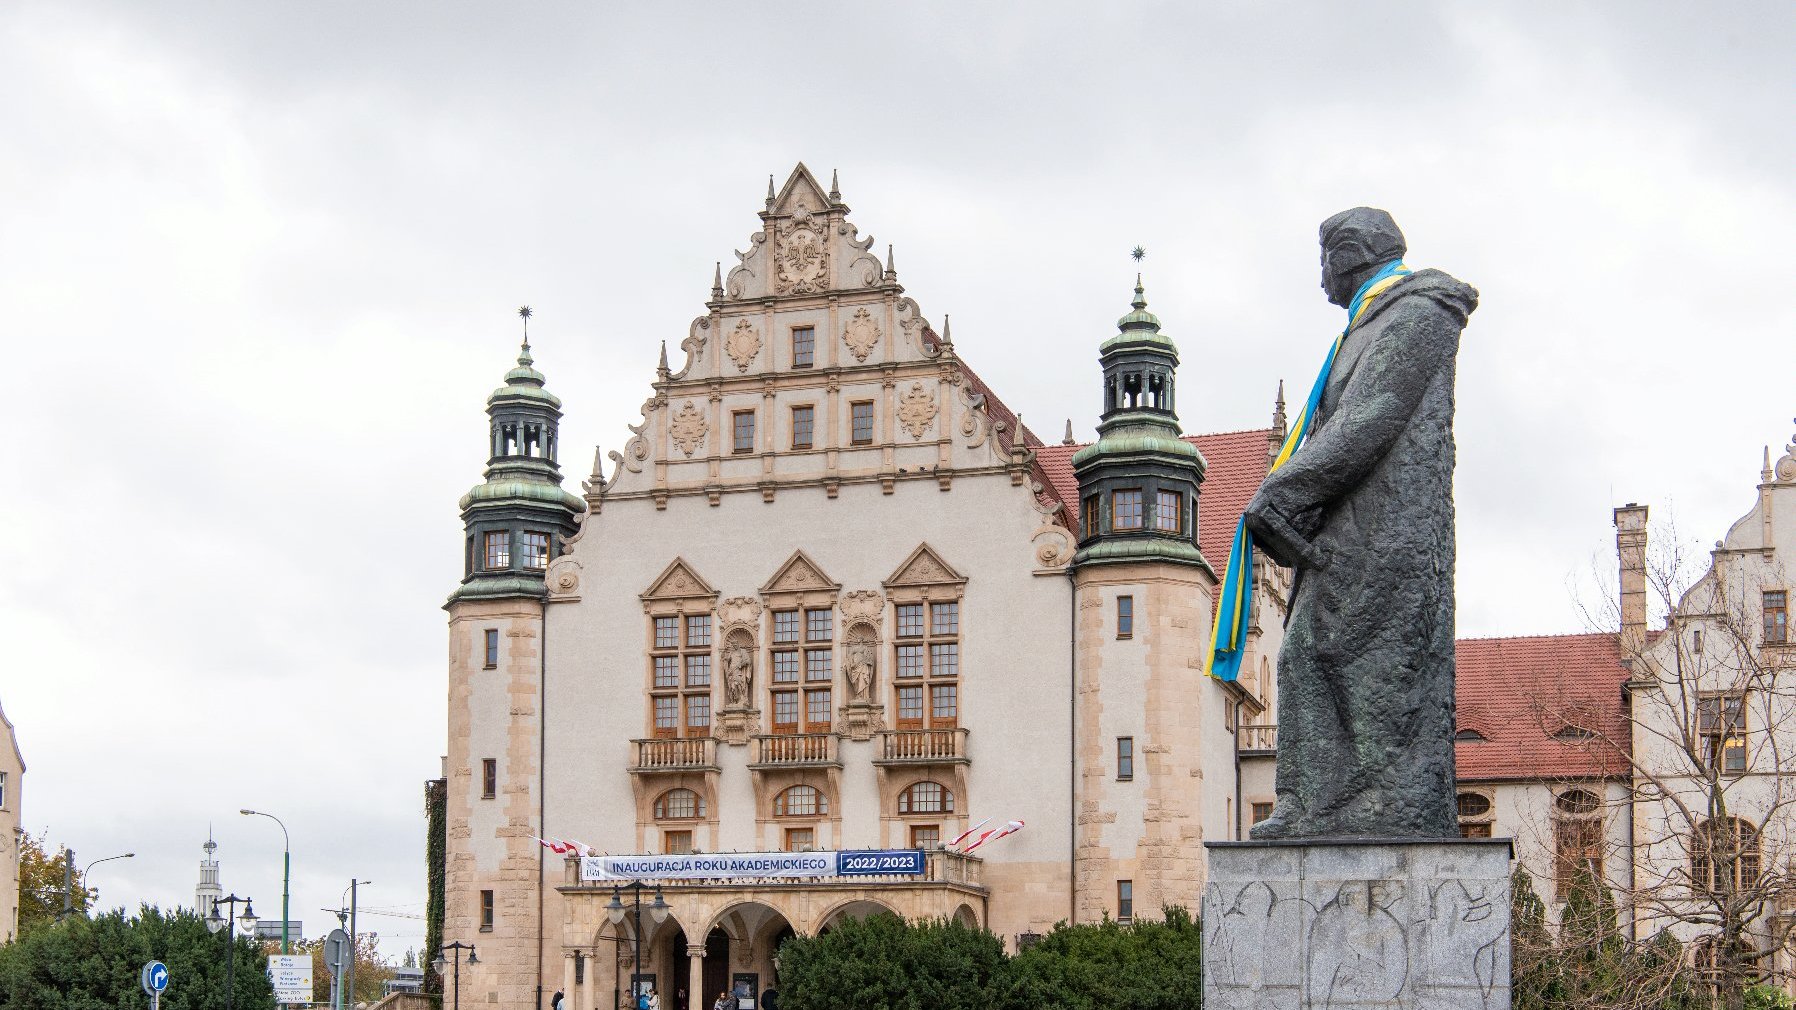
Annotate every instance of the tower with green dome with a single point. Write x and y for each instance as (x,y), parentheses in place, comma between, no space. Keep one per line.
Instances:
(516,522)
(1143,599)
(1139,483)
(517,518)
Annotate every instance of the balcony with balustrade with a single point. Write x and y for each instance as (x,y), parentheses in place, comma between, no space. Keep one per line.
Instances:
(675,755)
(795,750)
(1258,741)
(922,747)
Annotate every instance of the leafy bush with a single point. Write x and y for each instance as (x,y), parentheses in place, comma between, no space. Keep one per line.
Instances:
(92,964)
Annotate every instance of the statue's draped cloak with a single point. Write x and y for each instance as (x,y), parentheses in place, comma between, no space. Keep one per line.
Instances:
(1365,703)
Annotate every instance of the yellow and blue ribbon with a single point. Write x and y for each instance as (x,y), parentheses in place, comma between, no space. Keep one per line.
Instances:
(1234,611)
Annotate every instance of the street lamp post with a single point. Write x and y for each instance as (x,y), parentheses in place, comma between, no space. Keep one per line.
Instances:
(216,922)
(286,869)
(90,866)
(441,964)
(657,911)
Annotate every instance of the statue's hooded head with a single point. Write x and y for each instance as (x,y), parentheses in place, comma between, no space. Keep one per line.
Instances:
(1355,243)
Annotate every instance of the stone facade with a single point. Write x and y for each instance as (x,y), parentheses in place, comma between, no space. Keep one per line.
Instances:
(12,791)
(825,594)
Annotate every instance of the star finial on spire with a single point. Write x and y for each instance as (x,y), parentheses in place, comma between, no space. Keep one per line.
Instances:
(1138,253)
(525,313)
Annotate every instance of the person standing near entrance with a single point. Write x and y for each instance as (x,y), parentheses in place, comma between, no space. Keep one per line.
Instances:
(770,999)
(724,1002)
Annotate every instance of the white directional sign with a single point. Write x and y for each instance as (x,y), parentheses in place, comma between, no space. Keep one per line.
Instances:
(291,976)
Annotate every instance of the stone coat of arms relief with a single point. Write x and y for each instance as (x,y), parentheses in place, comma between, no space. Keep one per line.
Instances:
(861,334)
(916,409)
(743,343)
(688,429)
(800,256)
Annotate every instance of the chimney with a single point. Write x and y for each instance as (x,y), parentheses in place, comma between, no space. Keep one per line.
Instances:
(1630,551)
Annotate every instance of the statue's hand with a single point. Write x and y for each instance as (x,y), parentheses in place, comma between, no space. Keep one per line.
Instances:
(1276,535)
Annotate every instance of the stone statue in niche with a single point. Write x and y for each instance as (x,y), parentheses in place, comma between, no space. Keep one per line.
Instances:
(738,674)
(863,663)
(1363,511)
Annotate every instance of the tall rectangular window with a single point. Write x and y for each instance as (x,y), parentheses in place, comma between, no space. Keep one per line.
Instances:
(785,711)
(492,648)
(927,664)
(1125,901)
(535,549)
(489,778)
(803,420)
(498,551)
(1721,722)
(680,675)
(486,910)
(804,346)
(1125,617)
(2,790)
(1088,515)
(860,422)
(1169,511)
(742,424)
(1125,509)
(1777,618)
(1125,758)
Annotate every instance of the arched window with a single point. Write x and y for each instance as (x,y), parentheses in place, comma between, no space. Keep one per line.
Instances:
(926,798)
(679,805)
(1724,856)
(801,801)
(1577,837)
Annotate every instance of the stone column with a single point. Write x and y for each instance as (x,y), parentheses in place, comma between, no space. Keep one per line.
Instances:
(569,994)
(696,997)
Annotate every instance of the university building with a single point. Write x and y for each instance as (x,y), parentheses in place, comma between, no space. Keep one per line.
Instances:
(832,595)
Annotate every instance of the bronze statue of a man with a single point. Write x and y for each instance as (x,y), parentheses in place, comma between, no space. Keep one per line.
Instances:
(1363,511)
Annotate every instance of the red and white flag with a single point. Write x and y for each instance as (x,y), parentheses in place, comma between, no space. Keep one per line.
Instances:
(556,846)
(992,835)
(963,835)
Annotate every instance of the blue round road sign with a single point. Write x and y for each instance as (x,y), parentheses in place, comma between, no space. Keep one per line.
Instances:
(155,977)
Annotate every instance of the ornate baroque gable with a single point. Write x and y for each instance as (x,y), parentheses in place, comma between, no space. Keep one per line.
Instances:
(811,368)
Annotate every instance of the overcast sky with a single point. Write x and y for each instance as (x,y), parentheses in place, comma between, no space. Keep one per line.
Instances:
(259,264)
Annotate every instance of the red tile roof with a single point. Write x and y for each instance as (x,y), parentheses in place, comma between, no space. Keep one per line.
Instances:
(1532,698)
(1236,465)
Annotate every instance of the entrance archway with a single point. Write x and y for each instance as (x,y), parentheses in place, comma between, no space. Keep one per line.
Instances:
(853,910)
(740,951)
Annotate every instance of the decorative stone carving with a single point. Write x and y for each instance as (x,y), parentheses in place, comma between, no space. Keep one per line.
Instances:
(863,605)
(743,344)
(862,334)
(1053,546)
(1405,925)
(800,256)
(677,582)
(739,613)
(688,428)
(916,409)
(738,670)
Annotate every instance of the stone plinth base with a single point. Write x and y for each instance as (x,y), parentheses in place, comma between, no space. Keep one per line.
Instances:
(1357,923)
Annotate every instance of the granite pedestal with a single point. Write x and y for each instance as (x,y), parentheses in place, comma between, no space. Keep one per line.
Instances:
(1353,924)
